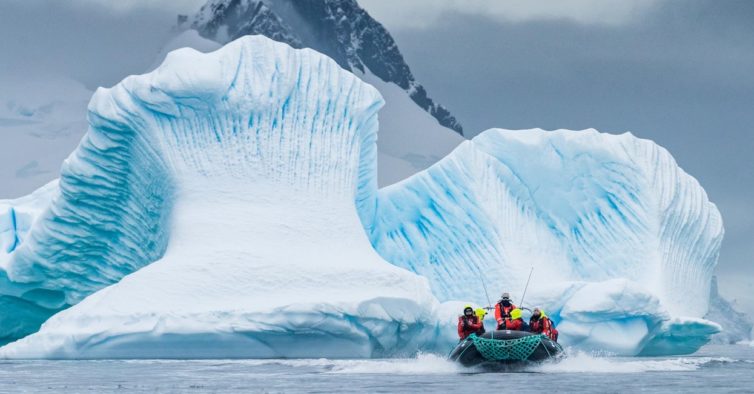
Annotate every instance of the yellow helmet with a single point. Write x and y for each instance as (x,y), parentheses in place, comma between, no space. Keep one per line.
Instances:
(481,312)
(516,314)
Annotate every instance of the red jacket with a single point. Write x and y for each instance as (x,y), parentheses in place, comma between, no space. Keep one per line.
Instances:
(543,325)
(503,314)
(474,326)
(516,324)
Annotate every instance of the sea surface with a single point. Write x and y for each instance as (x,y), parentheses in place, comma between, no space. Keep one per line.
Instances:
(714,369)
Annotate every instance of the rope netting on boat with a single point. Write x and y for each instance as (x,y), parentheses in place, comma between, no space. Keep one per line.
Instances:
(507,349)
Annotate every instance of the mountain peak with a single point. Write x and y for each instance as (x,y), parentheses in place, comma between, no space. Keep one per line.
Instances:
(340,29)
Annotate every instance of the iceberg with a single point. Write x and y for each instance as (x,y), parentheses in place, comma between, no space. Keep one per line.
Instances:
(736,326)
(250,161)
(226,205)
(23,306)
(581,208)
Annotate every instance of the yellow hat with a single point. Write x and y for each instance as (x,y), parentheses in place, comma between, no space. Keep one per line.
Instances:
(516,314)
(481,312)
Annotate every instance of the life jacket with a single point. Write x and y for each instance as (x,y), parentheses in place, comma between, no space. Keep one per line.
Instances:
(474,326)
(480,314)
(538,325)
(503,313)
(543,325)
(515,324)
(554,334)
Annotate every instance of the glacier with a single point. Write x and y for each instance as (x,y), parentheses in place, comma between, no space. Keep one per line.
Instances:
(226,205)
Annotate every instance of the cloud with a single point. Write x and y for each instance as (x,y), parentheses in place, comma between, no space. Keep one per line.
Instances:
(184,6)
(93,41)
(420,14)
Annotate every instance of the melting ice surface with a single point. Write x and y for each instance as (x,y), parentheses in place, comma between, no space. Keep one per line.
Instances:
(225,205)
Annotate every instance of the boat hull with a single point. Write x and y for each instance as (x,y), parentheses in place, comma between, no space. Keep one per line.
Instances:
(505,347)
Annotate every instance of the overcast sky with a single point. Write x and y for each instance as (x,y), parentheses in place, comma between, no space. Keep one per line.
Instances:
(676,71)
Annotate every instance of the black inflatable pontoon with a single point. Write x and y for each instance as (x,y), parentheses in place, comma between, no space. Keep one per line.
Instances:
(506,347)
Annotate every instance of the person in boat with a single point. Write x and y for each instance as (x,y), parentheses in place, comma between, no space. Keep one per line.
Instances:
(541,324)
(516,322)
(481,313)
(469,323)
(503,311)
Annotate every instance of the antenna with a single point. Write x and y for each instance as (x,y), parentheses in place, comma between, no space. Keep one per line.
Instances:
(521,304)
(484,286)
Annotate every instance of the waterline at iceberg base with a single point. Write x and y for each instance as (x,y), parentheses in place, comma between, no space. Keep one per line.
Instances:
(225,205)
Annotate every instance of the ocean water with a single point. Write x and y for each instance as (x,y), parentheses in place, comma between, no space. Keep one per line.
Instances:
(718,369)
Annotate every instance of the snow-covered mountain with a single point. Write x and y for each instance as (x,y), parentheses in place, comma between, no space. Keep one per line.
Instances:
(226,205)
(338,28)
(412,135)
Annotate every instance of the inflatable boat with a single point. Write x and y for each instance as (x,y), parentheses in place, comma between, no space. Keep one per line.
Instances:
(505,347)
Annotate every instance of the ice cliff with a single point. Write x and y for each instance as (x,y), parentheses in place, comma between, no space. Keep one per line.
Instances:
(225,205)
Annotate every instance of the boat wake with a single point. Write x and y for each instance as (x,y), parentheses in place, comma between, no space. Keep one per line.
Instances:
(578,362)
(581,362)
(424,363)
(430,364)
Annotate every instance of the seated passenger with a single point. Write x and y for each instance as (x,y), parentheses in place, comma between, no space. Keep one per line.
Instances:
(516,322)
(541,324)
(468,323)
(481,313)
(503,311)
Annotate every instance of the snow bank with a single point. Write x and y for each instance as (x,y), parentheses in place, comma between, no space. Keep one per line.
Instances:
(239,171)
